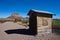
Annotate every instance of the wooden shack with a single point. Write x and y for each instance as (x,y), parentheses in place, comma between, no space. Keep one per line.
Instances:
(40,21)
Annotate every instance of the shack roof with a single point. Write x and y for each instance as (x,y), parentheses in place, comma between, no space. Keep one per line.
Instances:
(39,11)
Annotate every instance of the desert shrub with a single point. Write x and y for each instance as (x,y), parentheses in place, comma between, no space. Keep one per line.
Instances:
(2,21)
(56,26)
(17,20)
(56,23)
(24,21)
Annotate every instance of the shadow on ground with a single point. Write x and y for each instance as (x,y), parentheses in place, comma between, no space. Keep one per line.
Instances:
(21,31)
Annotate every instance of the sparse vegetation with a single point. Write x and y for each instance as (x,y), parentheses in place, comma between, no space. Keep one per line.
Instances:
(56,23)
(17,20)
(24,21)
(56,26)
(2,21)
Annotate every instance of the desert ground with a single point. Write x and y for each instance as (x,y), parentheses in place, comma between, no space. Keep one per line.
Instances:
(11,25)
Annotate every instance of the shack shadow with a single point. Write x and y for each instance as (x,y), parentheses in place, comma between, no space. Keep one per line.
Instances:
(20,31)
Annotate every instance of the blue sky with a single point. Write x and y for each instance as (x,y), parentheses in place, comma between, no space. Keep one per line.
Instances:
(7,7)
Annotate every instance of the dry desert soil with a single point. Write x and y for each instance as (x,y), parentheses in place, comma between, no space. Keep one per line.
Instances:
(11,25)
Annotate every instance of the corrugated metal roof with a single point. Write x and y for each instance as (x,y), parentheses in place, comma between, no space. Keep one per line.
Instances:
(39,11)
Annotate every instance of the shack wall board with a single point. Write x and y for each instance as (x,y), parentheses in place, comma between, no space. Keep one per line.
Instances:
(43,23)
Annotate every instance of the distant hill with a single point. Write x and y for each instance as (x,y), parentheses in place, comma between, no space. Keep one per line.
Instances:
(15,16)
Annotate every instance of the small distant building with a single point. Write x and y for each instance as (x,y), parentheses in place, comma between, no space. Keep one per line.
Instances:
(40,21)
